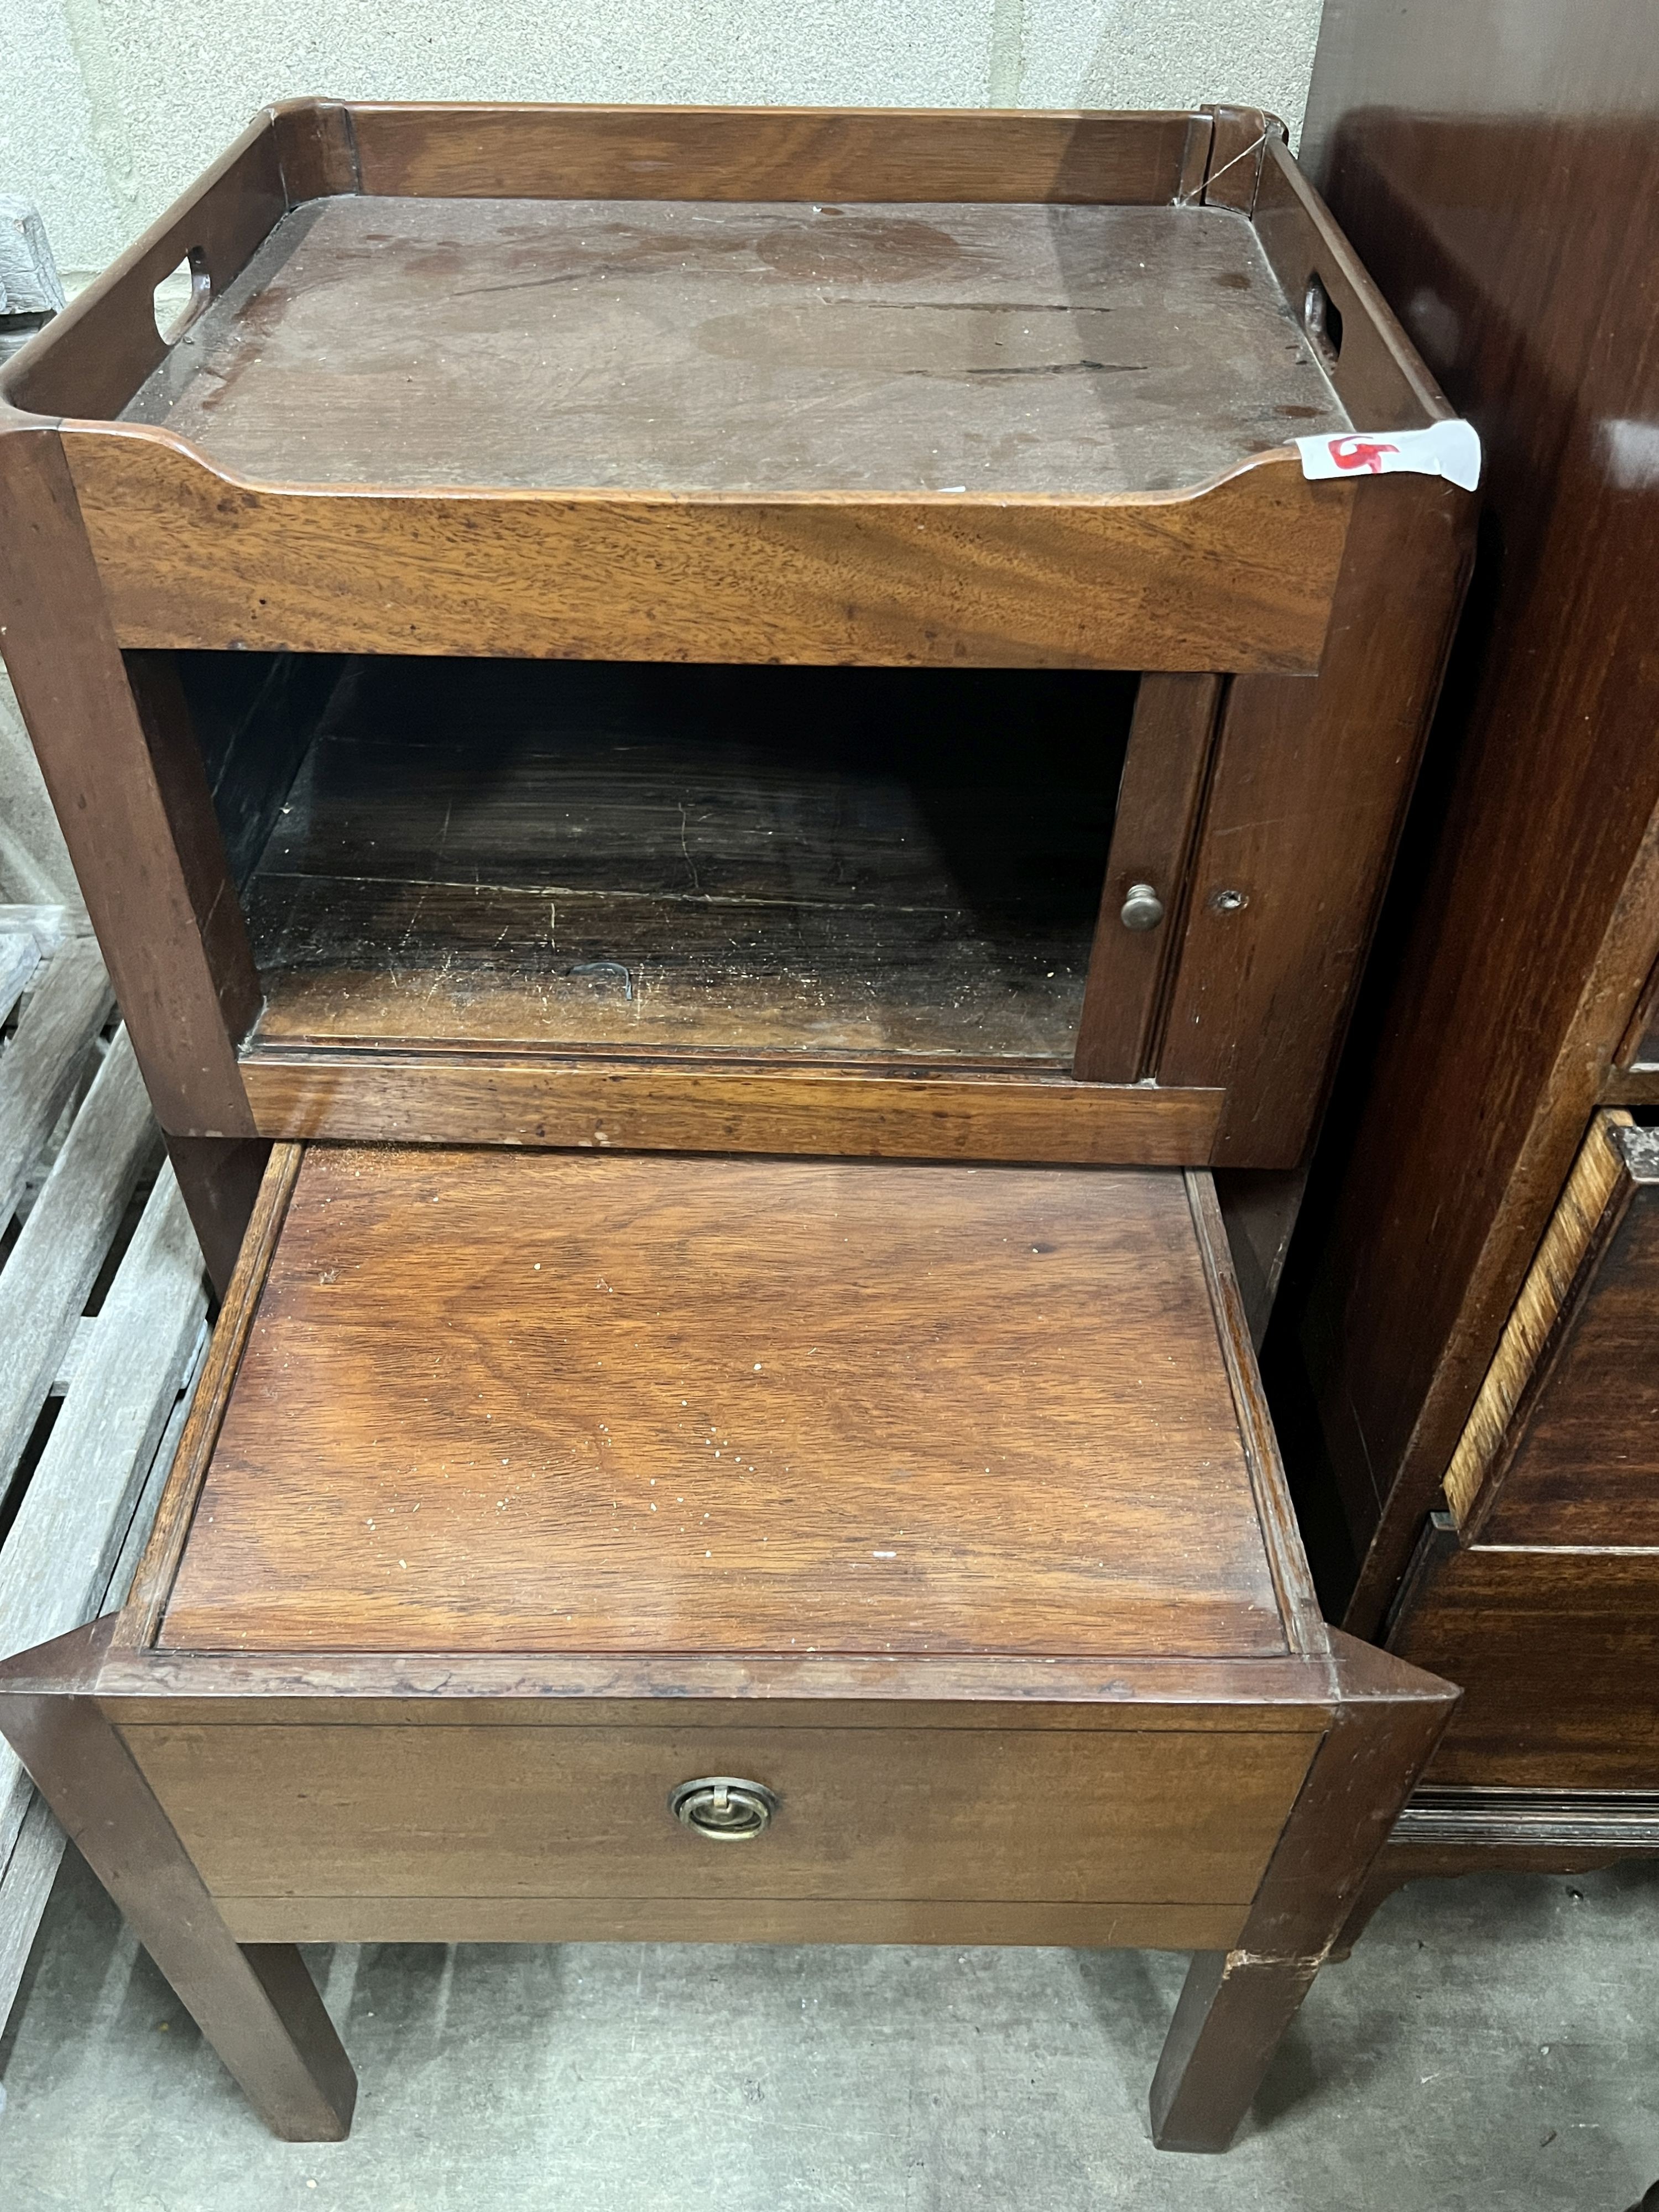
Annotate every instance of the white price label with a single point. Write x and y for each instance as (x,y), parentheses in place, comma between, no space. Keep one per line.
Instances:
(1445,449)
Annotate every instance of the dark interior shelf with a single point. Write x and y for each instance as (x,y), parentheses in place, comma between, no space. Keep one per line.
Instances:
(878,864)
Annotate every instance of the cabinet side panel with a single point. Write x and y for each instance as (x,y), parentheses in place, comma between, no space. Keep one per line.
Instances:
(1504,189)
(1305,804)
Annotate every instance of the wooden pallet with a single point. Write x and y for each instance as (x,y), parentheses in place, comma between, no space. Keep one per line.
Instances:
(78,1151)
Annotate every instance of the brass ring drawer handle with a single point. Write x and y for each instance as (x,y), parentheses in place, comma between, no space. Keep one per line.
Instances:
(722,1808)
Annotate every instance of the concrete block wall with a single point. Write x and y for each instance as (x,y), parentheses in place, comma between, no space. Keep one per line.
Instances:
(108,107)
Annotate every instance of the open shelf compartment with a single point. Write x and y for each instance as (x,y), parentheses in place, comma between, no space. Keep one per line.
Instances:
(860,864)
(743,421)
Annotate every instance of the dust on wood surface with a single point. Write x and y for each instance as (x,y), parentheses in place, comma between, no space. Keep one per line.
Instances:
(696,346)
(835,862)
(542,1402)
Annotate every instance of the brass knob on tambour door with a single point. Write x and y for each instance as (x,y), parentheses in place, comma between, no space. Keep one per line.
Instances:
(723,1809)
(1142,910)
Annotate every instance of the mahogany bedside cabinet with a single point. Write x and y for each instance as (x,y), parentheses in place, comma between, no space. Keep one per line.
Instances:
(719,755)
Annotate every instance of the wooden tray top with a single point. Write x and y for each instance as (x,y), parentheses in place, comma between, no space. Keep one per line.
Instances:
(533,1402)
(896,387)
(744,347)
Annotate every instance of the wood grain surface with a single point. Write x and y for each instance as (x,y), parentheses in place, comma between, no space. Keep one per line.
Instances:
(258,2008)
(1558,1654)
(60,1249)
(1582,1463)
(135,1625)
(1235,2005)
(1158,801)
(90,358)
(1504,193)
(867,863)
(539,1402)
(768,153)
(416,1690)
(418,1097)
(294,1919)
(1306,802)
(746,347)
(1237,576)
(1378,375)
(1040,1816)
(115,746)
(46,1055)
(220,1179)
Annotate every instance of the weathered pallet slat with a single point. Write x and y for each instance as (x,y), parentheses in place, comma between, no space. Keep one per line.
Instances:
(70,1359)
(150,1497)
(58,1560)
(70,1004)
(47,925)
(57,1257)
(25,1885)
(124,1374)
(27,1873)
(20,955)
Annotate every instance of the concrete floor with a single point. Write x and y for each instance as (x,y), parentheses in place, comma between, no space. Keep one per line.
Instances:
(1493,2046)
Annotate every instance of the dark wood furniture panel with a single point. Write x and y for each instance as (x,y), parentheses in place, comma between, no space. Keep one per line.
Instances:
(521,1401)
(430,1097)
(1538,1589)
(1563,1445)
(127,783)
(72,1708)
(261,1920)
(1307,779)
(747,347)
(855,863)
(1519,250)
(1467,1312)
(257,2005)
(963,555)
(773,152)
(1240,576)
(1557,1653)
(526,1484)
(880,1813)
(1234,2004)
(1165,772)
(1446,1831)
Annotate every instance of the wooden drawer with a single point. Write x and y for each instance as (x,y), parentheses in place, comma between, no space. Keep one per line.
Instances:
(1539,1590)
(933,1508)
(1557,1653)
(992,1426)
(336,1827)
(1563,1446)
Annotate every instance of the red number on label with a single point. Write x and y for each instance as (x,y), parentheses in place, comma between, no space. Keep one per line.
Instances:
(1359,454)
